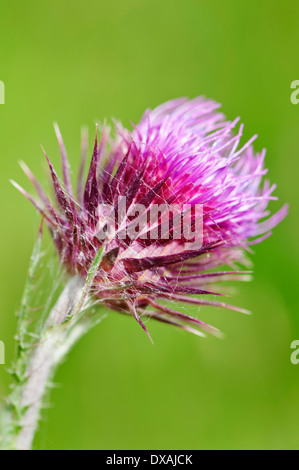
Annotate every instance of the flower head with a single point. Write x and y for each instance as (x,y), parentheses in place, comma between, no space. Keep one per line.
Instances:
(166,203)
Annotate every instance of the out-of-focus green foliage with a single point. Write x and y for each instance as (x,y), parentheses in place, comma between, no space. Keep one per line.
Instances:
(79,62)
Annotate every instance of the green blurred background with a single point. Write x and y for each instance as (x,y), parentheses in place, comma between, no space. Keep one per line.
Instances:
(78,62)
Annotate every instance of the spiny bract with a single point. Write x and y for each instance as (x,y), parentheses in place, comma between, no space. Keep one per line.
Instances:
(182,152)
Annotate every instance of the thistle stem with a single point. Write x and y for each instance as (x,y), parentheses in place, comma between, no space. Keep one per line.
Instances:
(57,339)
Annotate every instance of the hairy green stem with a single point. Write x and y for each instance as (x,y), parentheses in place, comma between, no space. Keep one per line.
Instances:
(53,346)
(37,359)
(60,333)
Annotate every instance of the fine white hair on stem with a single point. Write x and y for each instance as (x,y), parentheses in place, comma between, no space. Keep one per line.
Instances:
(57,340)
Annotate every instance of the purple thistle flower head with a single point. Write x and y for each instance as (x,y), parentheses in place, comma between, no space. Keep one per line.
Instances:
(167,203)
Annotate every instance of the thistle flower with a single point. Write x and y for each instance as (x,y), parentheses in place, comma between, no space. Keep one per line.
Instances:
(182,153)
(163,209)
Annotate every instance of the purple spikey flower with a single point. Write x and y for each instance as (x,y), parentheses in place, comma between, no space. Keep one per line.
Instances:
(182,153)
(163,209)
